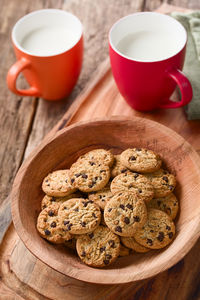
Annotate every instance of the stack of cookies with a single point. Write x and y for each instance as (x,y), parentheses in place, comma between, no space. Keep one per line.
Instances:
(108,205)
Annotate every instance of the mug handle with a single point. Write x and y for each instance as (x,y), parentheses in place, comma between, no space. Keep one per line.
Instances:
(12,75)
(184,86)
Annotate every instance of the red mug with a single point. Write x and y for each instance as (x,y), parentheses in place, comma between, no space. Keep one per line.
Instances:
(147,52)
(48,44)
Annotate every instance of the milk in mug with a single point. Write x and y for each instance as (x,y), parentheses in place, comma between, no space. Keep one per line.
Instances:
(149,45)
(48,40)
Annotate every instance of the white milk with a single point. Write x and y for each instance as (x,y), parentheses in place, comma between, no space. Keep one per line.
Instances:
(149,45)
(49,40)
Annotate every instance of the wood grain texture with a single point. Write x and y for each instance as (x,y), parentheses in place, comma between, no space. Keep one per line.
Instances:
(61,150)
(97,17)
(182,281)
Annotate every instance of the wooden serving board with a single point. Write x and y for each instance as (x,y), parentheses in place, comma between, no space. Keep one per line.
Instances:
(25,277)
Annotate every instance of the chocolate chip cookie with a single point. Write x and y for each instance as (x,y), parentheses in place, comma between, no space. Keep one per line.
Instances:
(157,232)
(134,182)
(58,184)
(118,167)
(101,197)
(49,227)
(79,216)
(163,182)
(140,160)
(131,243)
(168,204)
(125,213)
(88,178)
(48,200)
(102,156)
(99,248)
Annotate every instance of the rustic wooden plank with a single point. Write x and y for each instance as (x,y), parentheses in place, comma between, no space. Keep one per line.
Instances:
(141,293)
(8,294)
(97,18)
(194,4)
(16,113)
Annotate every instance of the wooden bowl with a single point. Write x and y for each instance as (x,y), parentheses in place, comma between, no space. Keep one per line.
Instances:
(63,149)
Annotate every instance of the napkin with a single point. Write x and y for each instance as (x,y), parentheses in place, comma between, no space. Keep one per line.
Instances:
(191,22)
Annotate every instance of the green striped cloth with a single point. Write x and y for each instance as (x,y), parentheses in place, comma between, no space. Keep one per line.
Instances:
(191,22)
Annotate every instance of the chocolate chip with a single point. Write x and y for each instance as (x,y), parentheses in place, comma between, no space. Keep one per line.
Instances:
(129,206)
(106,262)
(120,194)
(93,214)
(77,174)
(45,220)
(85,203)
(100,196)
(123,170)
(168,209)
(140,191)
(66,222)
(118,229)
(100,178)
(174,203)
(53,224)
(92,163)
(92,184)
(66,180)
(168,227)
(72,180)
(90,201)
(101,171)
(102,249)
(109,210)
(53,199)
(83,254)
(122,206)
(138,149)
(130,186)
(76,209)
(108,256)
(171,187)
(44,206)
(149,242)
(136,176)
(69,226)
(160,236)
(51,213)
(48,184)
(111,243)
(96,177)
(46,180)
(91,235)
(151,230)
(165,178)
(126,220)
(170,234)
(136,219)
(47,232)
(83,224)
(132,158)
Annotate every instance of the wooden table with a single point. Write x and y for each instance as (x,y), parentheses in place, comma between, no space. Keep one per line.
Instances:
(25,121)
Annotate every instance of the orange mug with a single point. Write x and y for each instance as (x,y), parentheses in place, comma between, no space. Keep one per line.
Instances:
(48,44)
